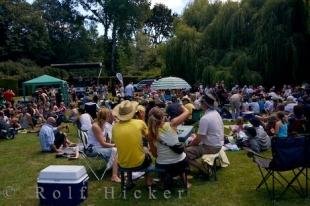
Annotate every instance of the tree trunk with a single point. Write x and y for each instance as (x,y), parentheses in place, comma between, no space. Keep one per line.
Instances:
(113,52)
(105,35)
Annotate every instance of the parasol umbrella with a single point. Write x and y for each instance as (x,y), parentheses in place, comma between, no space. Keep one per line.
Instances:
(170,83)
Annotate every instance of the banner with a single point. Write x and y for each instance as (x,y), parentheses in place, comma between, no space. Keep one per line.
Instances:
(119,76)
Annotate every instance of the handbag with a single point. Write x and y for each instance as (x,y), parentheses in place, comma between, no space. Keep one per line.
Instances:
(177,148)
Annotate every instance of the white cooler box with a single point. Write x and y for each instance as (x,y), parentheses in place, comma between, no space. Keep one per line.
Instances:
(62,185)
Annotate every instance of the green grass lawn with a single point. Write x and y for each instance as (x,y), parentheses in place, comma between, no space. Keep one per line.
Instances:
(21,161)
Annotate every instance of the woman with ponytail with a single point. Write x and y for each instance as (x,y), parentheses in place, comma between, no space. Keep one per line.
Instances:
(163,135)
(281,126)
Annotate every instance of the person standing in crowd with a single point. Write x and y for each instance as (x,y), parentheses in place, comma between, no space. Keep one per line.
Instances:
(129,91)
(210,137)
(9,96)
(127,135)
(100,90)
(235,103)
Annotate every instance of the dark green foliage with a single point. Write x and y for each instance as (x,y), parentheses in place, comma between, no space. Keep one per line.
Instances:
(25,70)
(247,42)
(122,17)
(159,24)
(22,31)
(244,42)
(9,83)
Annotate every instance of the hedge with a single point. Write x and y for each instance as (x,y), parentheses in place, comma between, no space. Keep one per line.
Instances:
(9,84)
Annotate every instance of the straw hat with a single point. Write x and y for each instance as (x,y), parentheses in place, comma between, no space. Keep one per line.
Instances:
(125,110)
(140,108)
(186,98)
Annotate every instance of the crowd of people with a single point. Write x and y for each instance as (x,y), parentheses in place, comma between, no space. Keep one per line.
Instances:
(21,115)
(132,127)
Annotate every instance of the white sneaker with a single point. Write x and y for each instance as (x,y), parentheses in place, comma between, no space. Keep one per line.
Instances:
(137,175)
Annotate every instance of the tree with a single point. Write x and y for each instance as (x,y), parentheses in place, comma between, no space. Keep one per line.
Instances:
(159,24)
(22,36)
(66,30)
(182,53)
(122,17)
(244,42)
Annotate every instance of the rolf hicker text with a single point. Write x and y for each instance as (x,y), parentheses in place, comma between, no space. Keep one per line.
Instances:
(110,194)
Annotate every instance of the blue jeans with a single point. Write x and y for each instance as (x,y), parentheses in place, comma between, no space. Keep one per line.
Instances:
(104,152)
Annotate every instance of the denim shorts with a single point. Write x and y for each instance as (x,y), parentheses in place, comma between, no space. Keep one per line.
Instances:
(103,152)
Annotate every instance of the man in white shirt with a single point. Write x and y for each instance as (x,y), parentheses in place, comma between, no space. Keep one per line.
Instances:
(210,137)
(85,120)
(129,91)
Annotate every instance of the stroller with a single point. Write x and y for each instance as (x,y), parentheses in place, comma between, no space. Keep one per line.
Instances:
(6,131)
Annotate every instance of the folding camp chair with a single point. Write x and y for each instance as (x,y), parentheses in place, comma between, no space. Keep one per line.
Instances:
(287,155)
(87,155)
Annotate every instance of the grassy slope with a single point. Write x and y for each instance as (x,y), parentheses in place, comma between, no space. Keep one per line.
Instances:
(21,162)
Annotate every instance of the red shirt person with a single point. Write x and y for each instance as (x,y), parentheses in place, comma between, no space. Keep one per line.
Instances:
(9,95)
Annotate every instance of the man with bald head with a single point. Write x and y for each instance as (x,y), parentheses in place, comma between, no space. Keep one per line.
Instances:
(50,138)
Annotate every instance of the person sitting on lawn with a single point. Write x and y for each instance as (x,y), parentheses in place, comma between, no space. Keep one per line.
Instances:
(127,134)
(297,121)
(281,127)
(25,120)
(50,138)
(74,113)
(162,135)
(238,127)
(210,137)
(99,145)
(85,120)
(258,139)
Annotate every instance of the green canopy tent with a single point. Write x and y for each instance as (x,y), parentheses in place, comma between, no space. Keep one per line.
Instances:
(46,80)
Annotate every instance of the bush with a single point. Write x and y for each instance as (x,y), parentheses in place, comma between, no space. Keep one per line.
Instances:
(9,84)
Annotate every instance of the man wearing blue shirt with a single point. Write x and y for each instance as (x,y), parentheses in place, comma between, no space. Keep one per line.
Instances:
(129,91)
(47,136)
